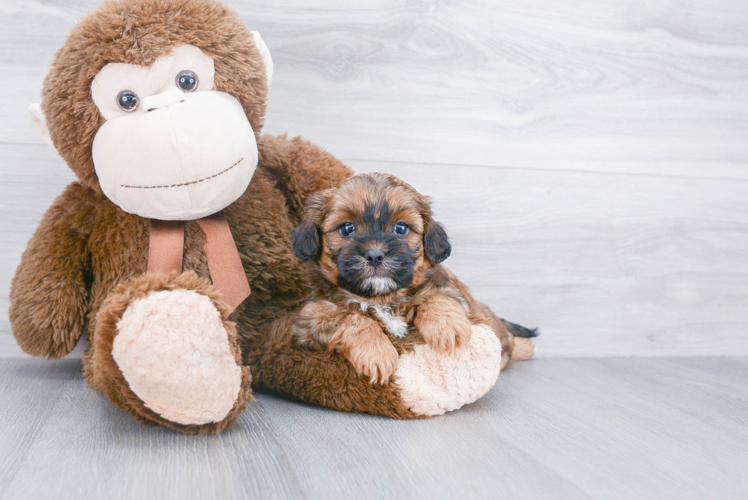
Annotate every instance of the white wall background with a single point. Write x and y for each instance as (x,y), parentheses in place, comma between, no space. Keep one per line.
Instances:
(590,159)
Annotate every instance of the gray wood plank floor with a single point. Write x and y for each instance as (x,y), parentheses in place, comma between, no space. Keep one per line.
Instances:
(590,162)
(616,428)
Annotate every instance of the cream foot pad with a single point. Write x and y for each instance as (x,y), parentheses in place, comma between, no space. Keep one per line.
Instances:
(433,383)
(174,352)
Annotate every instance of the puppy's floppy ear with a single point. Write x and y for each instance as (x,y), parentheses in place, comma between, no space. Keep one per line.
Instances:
(307,236)
(307,240)
(435,242)
(436,245)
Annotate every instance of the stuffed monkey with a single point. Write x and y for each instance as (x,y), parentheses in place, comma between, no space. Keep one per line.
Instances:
(173,247)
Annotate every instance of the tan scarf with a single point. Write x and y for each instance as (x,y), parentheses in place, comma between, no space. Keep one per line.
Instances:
(166,251)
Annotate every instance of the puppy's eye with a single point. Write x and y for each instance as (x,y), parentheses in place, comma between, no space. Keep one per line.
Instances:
(128,101)
(187,81)
(401,229)
(347,229)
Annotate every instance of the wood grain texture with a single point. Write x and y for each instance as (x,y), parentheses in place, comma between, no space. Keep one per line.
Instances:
(590,163)
(551,428)
(588,158)
(605,264)
(86,448)
(627,86)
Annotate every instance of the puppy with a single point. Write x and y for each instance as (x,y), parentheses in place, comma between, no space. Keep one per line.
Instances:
(374,256)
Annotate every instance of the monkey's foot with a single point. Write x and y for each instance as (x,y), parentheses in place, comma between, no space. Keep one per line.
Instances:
(432,383)
(164,354)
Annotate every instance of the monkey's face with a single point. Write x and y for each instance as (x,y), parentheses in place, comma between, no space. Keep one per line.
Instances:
(158,105)
(172,147)
(372,236)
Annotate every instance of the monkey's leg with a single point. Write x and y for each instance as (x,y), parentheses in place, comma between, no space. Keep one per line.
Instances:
(162,352)
(426,382)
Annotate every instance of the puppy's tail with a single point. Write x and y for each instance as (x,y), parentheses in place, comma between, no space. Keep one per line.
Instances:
(520,331)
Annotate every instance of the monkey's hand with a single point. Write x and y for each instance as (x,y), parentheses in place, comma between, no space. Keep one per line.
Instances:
(443,324)
(364,344)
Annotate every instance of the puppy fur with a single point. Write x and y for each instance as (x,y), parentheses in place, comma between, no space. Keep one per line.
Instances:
(374,254)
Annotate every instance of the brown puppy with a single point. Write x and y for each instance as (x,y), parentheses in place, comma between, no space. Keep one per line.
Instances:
(374,252)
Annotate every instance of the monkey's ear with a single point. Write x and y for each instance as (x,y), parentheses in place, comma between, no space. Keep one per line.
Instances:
(265,53)
(435,242)
(37,118)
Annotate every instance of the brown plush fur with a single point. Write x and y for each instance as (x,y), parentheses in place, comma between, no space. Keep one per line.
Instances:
(139,32)
(433,300)
(320,377)
(102,373)
(87,258)
(86,246)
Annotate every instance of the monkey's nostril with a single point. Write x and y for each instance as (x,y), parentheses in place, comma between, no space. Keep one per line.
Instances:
(374,257)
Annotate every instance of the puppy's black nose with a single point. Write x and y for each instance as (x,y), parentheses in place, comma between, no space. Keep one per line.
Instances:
(374,257)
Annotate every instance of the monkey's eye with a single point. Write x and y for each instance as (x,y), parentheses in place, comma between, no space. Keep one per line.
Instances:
(187,81)
(401,229)
(128,101)
(347,229)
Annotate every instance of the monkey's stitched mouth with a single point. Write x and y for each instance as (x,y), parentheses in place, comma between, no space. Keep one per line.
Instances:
(184,183)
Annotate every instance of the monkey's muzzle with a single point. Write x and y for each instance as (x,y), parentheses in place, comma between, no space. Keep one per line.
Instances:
(181,161)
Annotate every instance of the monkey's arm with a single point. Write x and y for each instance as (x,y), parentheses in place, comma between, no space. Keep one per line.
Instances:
(300,168)
(49,292)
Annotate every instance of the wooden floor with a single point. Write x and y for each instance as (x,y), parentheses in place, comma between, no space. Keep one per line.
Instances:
(613,428)
(590,162)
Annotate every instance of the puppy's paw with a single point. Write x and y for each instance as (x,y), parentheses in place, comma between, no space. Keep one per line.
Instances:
(376,358)
(315,324)
(443,324)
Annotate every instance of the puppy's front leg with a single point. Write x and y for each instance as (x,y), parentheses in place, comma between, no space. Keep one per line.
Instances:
(316,324)
(364,344)
(443,323)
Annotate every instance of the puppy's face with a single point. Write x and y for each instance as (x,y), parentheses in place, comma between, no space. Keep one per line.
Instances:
(372,236)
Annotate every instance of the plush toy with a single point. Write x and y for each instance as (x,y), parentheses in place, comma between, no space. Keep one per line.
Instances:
(173,248)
